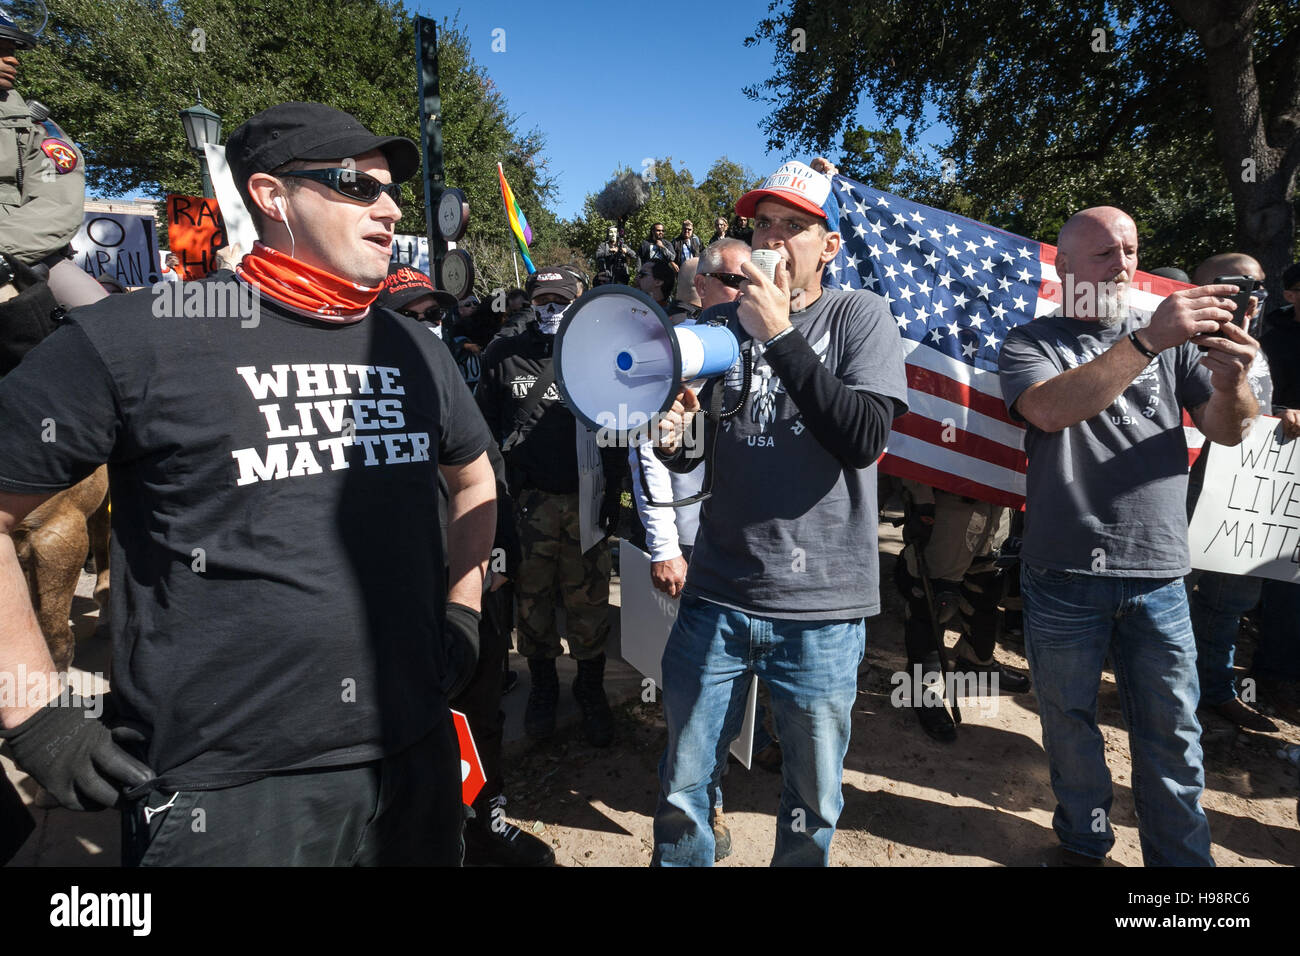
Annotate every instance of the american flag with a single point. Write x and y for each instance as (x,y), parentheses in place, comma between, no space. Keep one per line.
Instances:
(955,288)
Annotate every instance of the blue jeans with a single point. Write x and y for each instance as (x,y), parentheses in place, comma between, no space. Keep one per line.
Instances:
(1072,622)
(811,670)
(1217,605)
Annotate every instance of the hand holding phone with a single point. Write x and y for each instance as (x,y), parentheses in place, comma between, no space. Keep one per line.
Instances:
(1246,285)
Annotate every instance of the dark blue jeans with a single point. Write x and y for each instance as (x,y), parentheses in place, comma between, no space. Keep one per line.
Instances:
(1217,605)
(811,670)
(1072,622)
(1277,657)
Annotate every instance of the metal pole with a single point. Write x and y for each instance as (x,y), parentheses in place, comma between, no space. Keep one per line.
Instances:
(515,256)
(426,67)
(208,191)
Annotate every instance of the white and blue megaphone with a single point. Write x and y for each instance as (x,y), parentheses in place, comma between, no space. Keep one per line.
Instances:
(619,362)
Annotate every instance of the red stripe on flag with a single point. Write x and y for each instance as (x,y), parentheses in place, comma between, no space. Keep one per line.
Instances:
(1049,289)
(902,468)
(1192,453)
(941,386)
(965,442)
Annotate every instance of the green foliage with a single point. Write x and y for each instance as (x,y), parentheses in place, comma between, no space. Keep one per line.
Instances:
(725,182)
(1052,107)
(115,73)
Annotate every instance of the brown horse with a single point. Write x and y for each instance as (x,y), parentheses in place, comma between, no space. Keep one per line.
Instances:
(52,542)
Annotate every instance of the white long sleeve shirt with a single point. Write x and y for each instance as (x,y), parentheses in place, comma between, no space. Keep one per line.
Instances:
(666,529)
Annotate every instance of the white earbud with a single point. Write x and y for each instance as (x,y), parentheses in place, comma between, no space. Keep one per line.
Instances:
(278,203)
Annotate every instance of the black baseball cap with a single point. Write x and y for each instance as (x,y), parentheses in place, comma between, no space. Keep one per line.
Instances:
(404,285)
(310,131)
(556,280)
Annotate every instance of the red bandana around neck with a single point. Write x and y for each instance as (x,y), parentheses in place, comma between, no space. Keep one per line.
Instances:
(305,288)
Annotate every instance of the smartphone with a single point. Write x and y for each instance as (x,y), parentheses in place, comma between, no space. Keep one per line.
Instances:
(1245,285)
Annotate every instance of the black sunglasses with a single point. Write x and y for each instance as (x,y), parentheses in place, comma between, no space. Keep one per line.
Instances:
(353,184)
(729,279)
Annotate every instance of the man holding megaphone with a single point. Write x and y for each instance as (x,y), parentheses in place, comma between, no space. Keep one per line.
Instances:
(785,568)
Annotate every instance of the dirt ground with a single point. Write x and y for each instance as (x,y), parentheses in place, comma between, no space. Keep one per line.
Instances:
(909,801)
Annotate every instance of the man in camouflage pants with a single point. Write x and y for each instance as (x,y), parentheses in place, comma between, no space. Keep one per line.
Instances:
(550,539)
(523,407)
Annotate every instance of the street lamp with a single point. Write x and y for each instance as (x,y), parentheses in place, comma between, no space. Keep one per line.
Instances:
(202,126)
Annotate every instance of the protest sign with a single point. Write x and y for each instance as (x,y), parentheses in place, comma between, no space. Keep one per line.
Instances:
(195,231)
(412,251)
(1247,519)
(646,617)
(119,245)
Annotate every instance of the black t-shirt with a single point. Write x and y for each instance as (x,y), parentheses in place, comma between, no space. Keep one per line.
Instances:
(278,583)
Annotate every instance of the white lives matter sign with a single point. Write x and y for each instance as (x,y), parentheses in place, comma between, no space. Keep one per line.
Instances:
(1247,519)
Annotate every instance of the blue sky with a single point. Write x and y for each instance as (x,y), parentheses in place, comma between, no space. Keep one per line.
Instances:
(613,83)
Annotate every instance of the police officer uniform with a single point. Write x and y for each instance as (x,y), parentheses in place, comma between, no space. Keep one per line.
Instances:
(42,190)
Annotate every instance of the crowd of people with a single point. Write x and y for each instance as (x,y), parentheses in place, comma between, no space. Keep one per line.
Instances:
(383,484)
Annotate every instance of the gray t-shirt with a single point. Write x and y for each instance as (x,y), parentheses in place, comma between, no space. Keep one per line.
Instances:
(1106,496)
(789,531)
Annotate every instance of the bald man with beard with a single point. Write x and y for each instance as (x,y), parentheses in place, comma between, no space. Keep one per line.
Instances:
(1101,388)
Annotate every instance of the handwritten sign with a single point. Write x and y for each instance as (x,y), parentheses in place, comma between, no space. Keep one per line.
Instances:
(195,231)
(119,245)
(1247,519)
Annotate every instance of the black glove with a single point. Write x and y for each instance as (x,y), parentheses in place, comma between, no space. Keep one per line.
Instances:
(611,508)
(461,637)
(75,756)
(919,525)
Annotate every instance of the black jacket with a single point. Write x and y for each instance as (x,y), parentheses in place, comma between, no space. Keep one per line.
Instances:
(547,457)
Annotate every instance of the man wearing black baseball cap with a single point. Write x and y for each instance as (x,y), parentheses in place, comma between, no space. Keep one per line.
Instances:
(409,291)
(523,407)
(284,639)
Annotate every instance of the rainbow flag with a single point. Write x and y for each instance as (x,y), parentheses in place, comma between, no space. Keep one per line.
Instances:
(518,224)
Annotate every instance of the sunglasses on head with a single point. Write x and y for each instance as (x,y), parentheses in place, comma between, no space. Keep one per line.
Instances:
(354,185)
(729,279)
